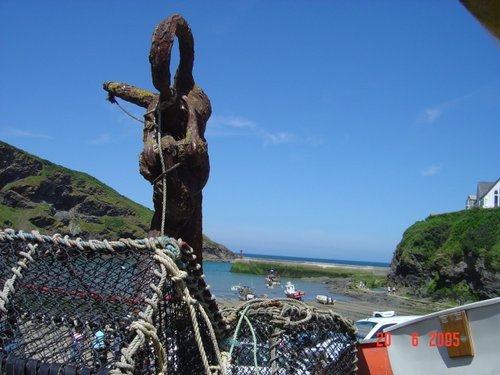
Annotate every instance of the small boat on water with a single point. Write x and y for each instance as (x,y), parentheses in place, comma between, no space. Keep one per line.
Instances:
(246,293)
(236,288)
(293,293)
(272,278)
(325,300)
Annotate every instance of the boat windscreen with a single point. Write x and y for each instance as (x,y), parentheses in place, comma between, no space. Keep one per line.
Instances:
(364,329)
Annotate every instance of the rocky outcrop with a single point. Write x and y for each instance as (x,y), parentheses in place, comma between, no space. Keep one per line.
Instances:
(451,256)
(215,252)
(16,165)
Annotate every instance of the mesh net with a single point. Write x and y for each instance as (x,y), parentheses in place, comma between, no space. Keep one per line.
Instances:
(100,306)
(289,337)
(143,307)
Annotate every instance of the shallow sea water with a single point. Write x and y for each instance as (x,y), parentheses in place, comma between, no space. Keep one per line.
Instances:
(220,280)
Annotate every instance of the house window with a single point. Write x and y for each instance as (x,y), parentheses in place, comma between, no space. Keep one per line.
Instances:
(496,199)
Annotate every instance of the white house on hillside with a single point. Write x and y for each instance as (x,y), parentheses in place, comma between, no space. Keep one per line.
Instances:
(487,195)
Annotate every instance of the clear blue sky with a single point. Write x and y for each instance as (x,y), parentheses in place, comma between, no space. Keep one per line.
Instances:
(336,124)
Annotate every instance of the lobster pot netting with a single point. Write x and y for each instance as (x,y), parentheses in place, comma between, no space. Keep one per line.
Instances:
(288,337)
(76,307)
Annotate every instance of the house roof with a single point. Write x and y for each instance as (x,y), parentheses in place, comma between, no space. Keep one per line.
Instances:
(484,188)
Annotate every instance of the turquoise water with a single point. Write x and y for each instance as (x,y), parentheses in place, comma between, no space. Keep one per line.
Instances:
(220,280)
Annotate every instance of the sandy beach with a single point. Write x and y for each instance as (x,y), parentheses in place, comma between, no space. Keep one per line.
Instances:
(366,303)
(364,306)
(374,269)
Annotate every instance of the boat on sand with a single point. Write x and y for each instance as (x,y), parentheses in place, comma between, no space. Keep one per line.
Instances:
(246,293)
(293,293)
(325,300)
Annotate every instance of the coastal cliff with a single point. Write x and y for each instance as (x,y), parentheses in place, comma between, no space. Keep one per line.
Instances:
(216,252)
(36,194)
(453,256)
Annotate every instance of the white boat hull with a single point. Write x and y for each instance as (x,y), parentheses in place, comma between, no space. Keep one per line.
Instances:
(325,300)
(418,347)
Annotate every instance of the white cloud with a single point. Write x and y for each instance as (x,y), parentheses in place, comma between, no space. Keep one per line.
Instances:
(432,170)
(430,115)
(234,126)
(25,134)
(232,122)
(278,138)
(101,139)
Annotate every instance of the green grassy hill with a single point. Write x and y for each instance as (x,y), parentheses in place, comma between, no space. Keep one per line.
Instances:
(452,256)
(36,194)
(40,195)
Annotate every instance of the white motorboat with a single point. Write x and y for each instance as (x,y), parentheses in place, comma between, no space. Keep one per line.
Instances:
(325,300)
(293,293)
